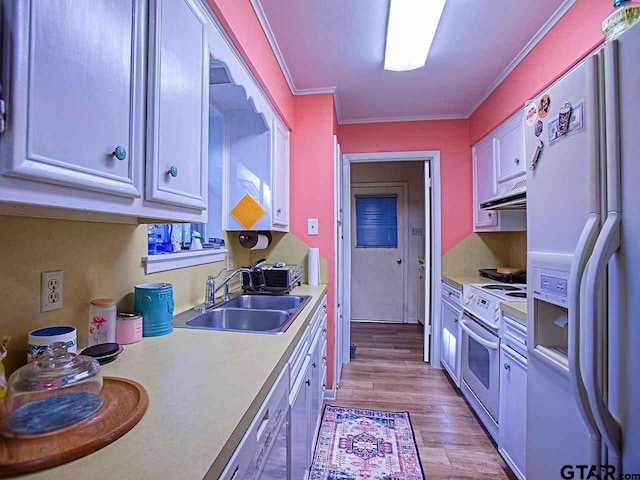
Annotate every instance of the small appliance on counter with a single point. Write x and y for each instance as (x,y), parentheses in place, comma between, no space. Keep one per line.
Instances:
(276,278)
(504,274)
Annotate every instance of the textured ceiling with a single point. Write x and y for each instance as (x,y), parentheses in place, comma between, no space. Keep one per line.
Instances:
(340,43)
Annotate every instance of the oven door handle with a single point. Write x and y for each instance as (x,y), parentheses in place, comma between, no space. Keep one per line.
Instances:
(478,338)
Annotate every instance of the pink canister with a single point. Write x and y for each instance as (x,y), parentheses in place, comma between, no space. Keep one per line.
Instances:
(128,328)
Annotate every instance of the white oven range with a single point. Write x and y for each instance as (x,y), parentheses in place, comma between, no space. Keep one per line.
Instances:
(480,325)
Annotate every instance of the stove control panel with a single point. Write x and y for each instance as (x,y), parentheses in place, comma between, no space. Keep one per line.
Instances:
(482,303)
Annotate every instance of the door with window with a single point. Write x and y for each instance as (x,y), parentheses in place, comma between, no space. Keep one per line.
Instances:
(379,252)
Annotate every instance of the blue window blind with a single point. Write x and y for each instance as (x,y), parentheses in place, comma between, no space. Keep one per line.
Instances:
(377,221)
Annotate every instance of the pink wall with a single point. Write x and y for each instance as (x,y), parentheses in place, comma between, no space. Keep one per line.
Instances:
(577,33)
(451,137)
(312,187)
(242,25)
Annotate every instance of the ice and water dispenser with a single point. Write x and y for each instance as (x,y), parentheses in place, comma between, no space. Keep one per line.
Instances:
(549,288)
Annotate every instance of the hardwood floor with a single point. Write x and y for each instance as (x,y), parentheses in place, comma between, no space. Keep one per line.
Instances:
(389,374)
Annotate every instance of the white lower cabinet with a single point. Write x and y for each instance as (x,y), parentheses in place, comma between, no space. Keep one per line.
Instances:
(513,407)
(450,352)
(280,441)
(299,425)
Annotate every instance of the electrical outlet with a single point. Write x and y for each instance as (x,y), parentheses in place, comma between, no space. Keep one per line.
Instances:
(51,291)
(229,259)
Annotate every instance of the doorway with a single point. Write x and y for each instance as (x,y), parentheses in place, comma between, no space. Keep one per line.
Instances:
(429,284)
(379,250)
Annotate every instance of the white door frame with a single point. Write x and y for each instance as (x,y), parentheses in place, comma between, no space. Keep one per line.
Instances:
(405,249)
(433,236)
(338,300)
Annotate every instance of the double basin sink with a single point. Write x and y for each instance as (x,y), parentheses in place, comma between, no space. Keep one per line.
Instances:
(252,313)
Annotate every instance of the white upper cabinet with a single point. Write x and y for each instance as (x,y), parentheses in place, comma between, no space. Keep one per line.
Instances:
(74,92)
(103,98)
(498,166)
(484,183)
(178,104)
(280,166)
(510,162)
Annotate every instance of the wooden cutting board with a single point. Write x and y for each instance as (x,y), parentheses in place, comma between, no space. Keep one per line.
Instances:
(509,270)
(125,403)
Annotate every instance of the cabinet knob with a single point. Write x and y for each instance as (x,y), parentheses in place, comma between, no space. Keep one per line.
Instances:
(324,358)
(173,171)
(490,214)
(308,382)
(507,366)
(516,161)
(314,364)
(279,210)
(120,153)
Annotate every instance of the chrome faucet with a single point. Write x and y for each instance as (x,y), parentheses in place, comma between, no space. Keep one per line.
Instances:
(211,290)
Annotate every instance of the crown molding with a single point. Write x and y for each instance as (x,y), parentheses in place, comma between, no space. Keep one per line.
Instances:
(416,118)
(266,27)
(316,91)
(549,24)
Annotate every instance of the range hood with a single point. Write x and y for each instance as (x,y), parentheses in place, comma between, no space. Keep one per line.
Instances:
(511,196)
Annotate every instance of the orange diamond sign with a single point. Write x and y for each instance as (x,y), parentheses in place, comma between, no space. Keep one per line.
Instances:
(247,211)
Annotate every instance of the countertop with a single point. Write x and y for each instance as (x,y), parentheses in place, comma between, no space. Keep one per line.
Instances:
(456,280)
(515,309)
(204,388)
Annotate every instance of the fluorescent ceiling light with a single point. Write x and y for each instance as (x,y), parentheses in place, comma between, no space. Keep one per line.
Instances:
(412,26)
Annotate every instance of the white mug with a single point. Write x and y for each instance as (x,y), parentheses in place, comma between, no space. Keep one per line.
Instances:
(41,338)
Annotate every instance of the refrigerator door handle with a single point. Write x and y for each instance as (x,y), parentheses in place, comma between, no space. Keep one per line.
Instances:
(580,258)
(606,245)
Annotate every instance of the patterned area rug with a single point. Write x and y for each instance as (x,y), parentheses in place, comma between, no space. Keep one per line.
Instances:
(356,444)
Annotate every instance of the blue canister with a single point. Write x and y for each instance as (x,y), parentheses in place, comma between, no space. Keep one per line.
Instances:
(155,302)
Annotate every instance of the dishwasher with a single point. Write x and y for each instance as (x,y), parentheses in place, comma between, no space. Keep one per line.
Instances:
(270,460)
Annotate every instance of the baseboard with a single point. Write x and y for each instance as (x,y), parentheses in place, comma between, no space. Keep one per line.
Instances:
(331,394)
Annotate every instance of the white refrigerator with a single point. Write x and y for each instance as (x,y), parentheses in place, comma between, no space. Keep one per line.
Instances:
(582,141)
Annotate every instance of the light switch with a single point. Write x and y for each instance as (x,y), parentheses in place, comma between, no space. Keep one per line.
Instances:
(312,226)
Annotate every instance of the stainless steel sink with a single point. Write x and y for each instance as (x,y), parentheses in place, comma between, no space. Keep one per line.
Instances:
(265,302)
(240,319)
(248,313)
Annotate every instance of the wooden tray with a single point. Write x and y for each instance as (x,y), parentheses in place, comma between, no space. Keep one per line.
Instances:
(125,403)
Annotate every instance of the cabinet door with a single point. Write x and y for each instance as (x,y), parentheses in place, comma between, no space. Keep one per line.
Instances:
(74,86)
(510,150)
(280,181)
(300,434)
(316,388)
(513,409)
(178,104)
(484,183)
(450,339)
